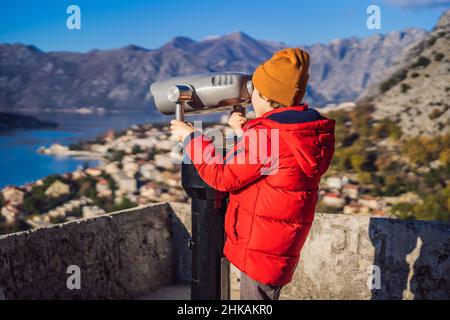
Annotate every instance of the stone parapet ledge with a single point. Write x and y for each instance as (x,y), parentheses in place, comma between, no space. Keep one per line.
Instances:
(362,257)
(124,255)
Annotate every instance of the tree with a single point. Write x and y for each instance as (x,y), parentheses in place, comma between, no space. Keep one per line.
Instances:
(403,210)
(434,206)
(118,155)
(125,204)
(136,149)
(387,128)
(444,157)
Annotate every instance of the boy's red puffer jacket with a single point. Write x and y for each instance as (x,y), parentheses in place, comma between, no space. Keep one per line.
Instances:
(272,194)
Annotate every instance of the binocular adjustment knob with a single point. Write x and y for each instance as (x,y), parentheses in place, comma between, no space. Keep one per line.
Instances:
(179,93)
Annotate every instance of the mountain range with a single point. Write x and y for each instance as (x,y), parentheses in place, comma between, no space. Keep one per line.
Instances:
(415,93)
(118,79)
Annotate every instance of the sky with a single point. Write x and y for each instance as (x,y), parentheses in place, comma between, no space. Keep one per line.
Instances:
(107,24)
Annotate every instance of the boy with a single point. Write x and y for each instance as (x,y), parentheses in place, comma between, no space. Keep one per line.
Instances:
(270,212)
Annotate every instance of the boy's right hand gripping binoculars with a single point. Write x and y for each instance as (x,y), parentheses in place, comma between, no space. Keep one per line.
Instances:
(202,93)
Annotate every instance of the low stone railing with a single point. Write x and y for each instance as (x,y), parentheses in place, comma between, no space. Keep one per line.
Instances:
(130,253)
(362,257)
(120,255)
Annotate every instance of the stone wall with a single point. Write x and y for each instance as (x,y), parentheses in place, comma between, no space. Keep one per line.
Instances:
(345,256)
(133,252)
(121,255)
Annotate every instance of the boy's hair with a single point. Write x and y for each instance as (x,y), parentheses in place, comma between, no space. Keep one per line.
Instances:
(273,104)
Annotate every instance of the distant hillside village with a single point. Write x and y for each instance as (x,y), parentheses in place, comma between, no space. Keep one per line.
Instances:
(136,169)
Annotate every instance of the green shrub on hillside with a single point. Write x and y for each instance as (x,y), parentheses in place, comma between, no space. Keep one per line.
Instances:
(396,78)
(439,56)
(404,87)
(10,228)
(387,128)
(435,113)
(37,202)
(118,155)
(423,150)
(434,206)
(125,204)
(422,62)
(136,149)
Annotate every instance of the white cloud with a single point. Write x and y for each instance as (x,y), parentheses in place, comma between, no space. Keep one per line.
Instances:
(419,3)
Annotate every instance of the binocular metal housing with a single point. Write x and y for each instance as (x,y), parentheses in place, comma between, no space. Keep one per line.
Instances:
(203,93)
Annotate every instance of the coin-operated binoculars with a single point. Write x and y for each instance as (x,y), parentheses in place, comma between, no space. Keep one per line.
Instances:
(203,94)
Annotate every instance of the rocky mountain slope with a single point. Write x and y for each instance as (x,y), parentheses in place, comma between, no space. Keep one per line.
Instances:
(119,79)
(416,93)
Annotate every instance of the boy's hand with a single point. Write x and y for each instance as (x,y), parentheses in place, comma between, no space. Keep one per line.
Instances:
(236,122)
(180,130)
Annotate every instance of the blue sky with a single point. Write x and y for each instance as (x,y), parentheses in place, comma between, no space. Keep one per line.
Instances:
(116,23)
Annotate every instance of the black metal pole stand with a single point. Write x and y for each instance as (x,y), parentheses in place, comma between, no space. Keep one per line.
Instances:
(210,270)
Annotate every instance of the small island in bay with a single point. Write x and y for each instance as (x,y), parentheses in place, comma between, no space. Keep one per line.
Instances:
(10,121)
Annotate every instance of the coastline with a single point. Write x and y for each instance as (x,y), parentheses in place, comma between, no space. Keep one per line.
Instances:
(135,167)
(11,121)
(21,164)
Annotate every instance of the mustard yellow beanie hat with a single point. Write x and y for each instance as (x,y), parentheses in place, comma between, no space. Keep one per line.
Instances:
(284,77)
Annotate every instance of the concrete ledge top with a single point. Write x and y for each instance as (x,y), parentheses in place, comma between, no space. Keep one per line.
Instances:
(110,215)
